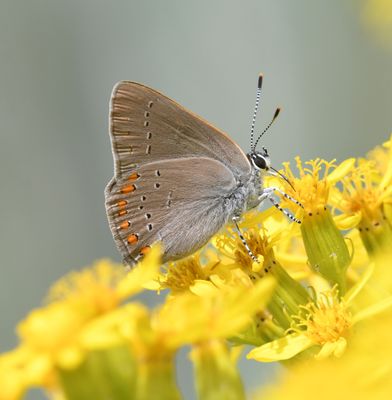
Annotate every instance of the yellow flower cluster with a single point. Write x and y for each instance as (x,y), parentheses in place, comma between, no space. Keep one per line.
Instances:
(363,372)
(314,294)
(324,267)
(91,342)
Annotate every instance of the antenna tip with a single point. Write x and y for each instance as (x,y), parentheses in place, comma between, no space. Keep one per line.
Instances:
(260,80)
(277,112)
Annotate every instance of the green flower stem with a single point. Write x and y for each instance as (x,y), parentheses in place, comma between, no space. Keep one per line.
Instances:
(280,315)
(108,374)
(292,293)
(156,379)
(262,330)
(326,248)
(217,377)
(288,294)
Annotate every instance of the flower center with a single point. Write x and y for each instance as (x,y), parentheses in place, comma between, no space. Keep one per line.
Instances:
(327,319)
(312,187)
(181,275)
(259,245)
(361,194)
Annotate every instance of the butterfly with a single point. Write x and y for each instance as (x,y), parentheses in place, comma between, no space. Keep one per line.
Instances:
(177,179)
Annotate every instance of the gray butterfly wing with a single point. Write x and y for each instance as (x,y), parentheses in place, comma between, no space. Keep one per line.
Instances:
(179,202)
(147,126)
(173,174)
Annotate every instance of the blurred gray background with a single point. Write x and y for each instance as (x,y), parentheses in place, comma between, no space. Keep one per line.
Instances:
(60,59)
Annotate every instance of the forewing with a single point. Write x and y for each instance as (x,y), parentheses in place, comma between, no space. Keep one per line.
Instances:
(147,126)
(180,202)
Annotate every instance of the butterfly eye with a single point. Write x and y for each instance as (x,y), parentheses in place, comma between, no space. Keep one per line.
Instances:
(260,162)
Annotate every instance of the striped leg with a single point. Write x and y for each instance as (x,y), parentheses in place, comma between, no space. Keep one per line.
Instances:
(268,193)
(251,255)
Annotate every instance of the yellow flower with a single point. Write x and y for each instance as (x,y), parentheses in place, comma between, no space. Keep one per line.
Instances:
(184,319)
(18,372)
(364,372)
(323,326)
(288,295)
(105,285)
(229,266)
(362,200)
(382,157)
(182,275)
(133,353)
(363,194)
(51,337)
(78,299)
(312,187)
(260,240)
(220,313)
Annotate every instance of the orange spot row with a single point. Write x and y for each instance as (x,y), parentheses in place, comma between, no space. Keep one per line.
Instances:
(128,189)
(122,212)
(121,204)
(132,239)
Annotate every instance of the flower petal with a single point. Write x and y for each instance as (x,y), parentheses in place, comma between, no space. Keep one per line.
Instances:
(203,288)
(341,170)
(153,285)
(281,349)
(336,348)
(144,272)
(326,350)
(347,221)
(341,347)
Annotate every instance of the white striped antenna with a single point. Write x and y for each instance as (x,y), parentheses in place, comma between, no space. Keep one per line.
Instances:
(277,111)
(258,94)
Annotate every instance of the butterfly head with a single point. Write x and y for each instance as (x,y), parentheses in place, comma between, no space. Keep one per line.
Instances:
(261,162)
